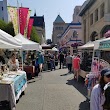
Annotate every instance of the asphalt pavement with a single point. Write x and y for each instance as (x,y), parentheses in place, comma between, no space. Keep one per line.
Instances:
(54,90)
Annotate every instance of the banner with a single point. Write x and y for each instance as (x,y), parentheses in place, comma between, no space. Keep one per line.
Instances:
(23,13)
(13,15)
(27,21)
(30,24)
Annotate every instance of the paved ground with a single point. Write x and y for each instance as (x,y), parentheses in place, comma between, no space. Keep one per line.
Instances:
(56,90)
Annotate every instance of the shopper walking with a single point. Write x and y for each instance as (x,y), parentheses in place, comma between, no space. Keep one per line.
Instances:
(40,61)
(69,62)
(76,66)
(52,61)
(61,59)
(97,101)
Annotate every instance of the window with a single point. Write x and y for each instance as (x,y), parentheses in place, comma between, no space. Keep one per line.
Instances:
(96,15)
(2,8)
(102,10)
(91,19)
(59,28)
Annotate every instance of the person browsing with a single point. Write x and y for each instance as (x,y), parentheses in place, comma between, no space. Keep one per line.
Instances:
(13,63)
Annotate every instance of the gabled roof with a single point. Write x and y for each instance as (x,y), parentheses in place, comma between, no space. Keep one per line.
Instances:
(59,20)
(71,24)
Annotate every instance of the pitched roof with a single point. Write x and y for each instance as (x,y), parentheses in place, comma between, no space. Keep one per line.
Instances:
(59,20)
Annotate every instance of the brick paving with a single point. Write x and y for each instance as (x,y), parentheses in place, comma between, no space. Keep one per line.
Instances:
(56,90)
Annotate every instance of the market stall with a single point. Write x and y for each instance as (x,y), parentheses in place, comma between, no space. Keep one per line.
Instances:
(12,83)
(98,63)
(26,46)
(86,58)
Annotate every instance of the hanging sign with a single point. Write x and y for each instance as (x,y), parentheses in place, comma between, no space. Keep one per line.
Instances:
(104,44)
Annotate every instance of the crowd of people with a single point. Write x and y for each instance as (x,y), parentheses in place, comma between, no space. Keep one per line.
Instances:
(100,95)
(72,62)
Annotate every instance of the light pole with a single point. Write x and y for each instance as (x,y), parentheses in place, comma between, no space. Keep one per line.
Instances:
(75,35)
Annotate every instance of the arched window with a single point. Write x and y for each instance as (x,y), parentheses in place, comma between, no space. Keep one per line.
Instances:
(93,36)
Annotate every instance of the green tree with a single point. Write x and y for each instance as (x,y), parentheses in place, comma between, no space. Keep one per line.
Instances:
(2,25)
(34,35)
(9,29)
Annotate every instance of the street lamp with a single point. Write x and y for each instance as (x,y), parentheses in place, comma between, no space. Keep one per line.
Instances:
(75,35)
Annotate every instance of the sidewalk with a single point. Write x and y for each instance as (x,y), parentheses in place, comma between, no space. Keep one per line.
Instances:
(56,90)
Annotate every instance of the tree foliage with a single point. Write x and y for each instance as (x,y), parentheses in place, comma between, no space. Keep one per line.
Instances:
(9,29)
(2,25)
(34,35)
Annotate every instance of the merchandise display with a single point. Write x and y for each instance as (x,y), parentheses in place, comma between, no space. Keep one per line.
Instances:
(93,77)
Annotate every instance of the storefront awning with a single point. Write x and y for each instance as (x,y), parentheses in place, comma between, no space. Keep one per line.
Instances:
(88,45)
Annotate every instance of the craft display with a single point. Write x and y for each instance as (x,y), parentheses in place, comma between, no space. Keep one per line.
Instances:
(93,77)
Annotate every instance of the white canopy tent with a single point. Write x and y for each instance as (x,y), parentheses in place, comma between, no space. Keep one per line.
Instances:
(8,42)
(6,45)
(27,44)
(44,45)
(88,45)
(54,49)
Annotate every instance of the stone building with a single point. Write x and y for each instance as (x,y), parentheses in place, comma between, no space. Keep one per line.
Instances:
(95,19)
(73,33)
(39,24)
(58,28)
(3,10)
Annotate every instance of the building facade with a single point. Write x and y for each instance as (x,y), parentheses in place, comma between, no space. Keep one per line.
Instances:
(39,24)
(3,10)
(73,33)
(95,19)
(58,28)
(76,17)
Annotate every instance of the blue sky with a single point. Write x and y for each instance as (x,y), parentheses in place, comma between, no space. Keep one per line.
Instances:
(50,9)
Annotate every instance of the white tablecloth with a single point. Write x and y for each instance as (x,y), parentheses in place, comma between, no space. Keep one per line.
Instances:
(7,91)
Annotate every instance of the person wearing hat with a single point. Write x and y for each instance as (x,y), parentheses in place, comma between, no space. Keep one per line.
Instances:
(97,99)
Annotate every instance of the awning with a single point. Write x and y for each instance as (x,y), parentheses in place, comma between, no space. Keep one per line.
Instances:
(8,42)
(102,44)
(88,45)
(27,44)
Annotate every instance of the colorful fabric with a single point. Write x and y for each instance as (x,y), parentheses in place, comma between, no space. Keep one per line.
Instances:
(30,24)
(76,63)
(14,18)
(23,13)
(27,21)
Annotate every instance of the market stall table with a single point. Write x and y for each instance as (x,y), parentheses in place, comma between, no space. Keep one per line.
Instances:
(30,70)
(11,87)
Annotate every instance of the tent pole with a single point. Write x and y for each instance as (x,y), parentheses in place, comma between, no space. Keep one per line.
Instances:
(22,59)
(92,58)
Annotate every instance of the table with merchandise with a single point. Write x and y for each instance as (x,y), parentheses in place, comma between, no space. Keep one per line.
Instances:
(12,85)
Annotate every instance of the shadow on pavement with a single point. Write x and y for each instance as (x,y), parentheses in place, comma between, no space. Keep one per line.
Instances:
(30,82)
(82,89)
(65,74)
(84,105)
